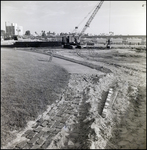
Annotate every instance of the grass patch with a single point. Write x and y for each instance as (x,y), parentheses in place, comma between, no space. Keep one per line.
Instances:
(26,92)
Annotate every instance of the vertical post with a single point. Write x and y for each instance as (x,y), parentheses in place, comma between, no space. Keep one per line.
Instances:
(51,56)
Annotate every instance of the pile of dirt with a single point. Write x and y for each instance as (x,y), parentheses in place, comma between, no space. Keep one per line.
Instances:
(125,114)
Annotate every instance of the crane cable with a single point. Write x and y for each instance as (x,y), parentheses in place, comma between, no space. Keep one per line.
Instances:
(86,16)
(109,14)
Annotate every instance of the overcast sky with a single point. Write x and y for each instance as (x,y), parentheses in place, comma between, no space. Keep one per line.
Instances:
(120,17)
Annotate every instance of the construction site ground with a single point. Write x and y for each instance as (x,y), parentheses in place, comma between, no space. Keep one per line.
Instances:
(100,105)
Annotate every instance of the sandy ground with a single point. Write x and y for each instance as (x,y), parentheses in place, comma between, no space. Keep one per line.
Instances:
(104,110)
(124,125)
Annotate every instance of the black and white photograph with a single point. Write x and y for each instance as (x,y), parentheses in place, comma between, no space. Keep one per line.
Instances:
(73,74)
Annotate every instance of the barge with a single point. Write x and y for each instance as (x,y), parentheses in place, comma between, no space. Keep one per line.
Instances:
(32,44)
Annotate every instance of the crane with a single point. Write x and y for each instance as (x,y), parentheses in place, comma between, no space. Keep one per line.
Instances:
(91,18)
(74,40)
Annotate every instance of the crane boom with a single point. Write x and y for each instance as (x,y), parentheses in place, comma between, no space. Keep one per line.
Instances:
(74,40)
(91,18)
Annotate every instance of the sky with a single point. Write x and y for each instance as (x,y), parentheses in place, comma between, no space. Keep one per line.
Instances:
(120,17)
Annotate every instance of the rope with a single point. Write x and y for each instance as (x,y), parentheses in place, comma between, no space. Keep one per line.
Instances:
(109,14)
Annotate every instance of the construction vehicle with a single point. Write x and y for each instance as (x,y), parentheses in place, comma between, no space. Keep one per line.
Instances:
(73,40)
